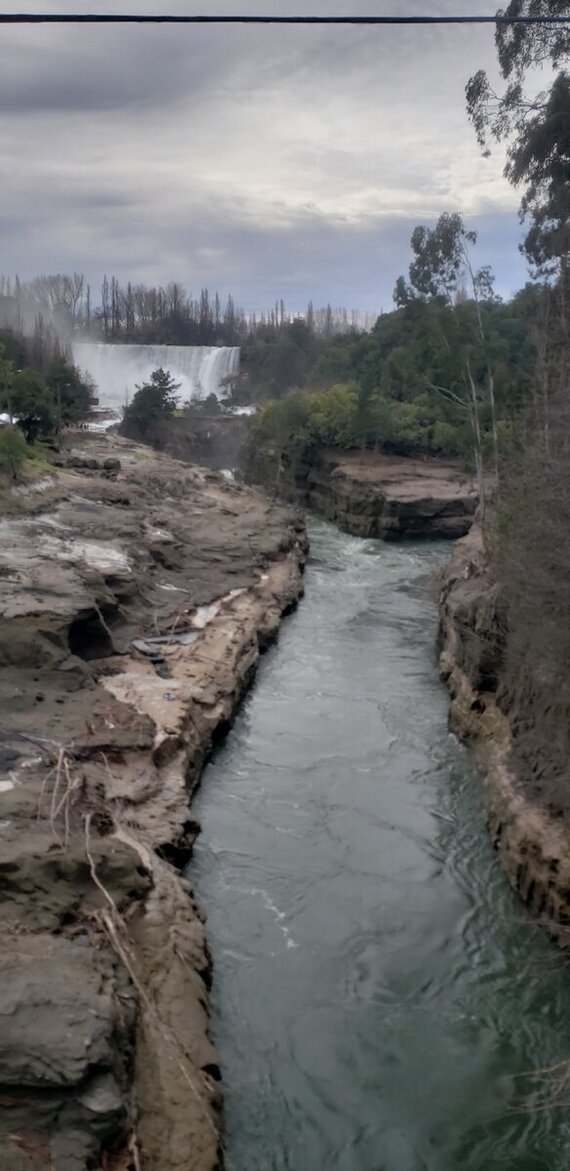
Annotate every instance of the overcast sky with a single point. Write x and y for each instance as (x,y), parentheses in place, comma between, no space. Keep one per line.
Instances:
(266,162)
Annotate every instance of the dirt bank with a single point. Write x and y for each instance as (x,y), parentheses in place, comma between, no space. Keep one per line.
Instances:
(528,809)
(136,598)
(376,495)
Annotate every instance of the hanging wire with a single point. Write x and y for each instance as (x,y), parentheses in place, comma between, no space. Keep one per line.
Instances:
(133,18)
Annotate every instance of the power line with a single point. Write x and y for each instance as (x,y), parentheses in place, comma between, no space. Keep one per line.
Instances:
(130,18)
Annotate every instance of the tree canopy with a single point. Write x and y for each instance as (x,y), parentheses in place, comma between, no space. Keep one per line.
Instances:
(13,450)
(41,401)
(536,127)
(153,400)
(32,405)
(70,391)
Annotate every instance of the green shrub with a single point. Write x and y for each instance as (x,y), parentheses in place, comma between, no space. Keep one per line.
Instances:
(32,404)
(13,450)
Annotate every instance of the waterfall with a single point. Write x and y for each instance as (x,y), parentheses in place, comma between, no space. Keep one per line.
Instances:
(117,369)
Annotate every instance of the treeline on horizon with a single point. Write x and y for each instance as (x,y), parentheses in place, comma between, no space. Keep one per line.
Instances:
(152,314)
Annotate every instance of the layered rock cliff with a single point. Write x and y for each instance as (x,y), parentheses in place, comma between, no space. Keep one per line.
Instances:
(383,496)
(521,751)
(136,597)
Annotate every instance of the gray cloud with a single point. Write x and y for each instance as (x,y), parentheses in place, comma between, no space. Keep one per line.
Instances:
(269,162)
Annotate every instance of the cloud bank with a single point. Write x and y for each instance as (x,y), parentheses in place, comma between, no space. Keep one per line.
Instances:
(263,161)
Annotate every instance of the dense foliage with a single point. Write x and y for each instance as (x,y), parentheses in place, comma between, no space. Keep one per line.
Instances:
(527,533)
(13,450)
(40,389)
(153,400)
(535,127)
(404,386)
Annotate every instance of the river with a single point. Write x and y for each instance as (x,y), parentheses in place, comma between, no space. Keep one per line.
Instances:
(379,994)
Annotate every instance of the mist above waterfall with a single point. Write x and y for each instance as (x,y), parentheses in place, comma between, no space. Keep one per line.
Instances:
(118,369)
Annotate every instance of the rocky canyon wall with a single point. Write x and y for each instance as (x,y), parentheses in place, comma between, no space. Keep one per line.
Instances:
(136,596)
(516,727)
(387,497)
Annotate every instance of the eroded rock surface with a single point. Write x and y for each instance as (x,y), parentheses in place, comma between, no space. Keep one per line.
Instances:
(383,496)
(136,596)
(528,810)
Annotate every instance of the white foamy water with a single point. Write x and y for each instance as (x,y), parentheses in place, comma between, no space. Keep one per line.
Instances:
(117,369)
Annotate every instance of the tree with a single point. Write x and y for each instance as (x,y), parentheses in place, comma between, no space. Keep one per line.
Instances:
(541,163)
(203,406)
(536,128)
(333,416)
(284,365)
(105,310)
(440,268)
(70,391)
(32,404)
(537,131)
(403,293)
(59,294)
(6,377)
(440,257)
(13,449)
(153,400)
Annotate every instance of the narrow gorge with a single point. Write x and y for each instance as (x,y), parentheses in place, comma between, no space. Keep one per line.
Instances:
(380,998)
(284,588)
(370,965)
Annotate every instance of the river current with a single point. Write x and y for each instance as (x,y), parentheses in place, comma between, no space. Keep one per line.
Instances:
(380,997)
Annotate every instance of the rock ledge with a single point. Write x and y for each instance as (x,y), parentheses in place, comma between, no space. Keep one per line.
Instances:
(530,834)
(133,612)
(382,496)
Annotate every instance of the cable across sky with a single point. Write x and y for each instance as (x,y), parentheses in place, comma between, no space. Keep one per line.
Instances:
(149,18)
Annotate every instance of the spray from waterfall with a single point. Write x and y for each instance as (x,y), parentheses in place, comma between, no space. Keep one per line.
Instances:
(118,369)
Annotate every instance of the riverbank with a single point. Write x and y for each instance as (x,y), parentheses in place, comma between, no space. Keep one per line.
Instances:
(528,809)
(374,495)
(137,596)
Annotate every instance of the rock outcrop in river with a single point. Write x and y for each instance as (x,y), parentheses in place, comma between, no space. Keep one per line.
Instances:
(376,495)
(137,594)
(520,731)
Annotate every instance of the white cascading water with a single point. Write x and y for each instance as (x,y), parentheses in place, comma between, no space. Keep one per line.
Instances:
(117,370)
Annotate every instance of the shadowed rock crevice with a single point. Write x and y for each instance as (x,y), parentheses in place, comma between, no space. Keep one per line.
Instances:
(89,638)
